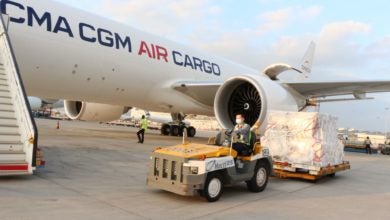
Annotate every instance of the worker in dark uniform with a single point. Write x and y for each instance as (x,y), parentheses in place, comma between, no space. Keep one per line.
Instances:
(367,142)
(241,134)
(142,130)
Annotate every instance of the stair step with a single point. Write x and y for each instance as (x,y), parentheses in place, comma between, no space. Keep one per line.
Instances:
(10,116)
(5,94)
(4,100)
(10,137)
(4,86)
(9,126)
(7,115)
(11,147)
(9,130)
(6,107)
(10,152)
(12,157)
(8,122)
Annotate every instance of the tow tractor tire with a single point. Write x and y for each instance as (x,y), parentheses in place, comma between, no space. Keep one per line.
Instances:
(165,129)
(213,187)
(175,130)
(260,178)
(191,131)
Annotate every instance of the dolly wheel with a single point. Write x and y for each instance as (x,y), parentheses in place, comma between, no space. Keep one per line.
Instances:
(213,187)
(260,178)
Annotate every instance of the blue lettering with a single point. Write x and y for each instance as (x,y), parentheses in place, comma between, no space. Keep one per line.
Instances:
(188,62)
(207,66)
(174,53)
(216,69)
(198,64)
(124,43)
(3,6)
(46,17)
(109,40)
(61,20)
(83,26)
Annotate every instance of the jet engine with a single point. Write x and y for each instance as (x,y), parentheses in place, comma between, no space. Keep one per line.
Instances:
(253,96)
(88,111)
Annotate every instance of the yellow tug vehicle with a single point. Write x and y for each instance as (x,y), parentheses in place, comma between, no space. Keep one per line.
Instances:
(189,169)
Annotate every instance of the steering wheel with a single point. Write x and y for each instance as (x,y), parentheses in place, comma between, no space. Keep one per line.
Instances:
(228,132)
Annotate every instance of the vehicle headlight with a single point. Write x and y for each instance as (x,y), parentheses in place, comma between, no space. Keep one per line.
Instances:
(191,170)
(194,170)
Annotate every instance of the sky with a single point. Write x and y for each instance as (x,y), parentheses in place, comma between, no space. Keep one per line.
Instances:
(352,38)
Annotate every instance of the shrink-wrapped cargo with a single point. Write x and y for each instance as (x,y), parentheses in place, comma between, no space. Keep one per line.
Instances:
(305,138)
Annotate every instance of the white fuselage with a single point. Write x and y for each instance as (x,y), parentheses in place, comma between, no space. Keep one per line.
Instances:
(65,53)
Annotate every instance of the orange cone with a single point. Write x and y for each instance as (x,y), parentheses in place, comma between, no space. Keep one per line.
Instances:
(58,124)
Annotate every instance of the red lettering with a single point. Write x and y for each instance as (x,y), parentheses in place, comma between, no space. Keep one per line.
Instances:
(153,51)
(162,53)
(144,49)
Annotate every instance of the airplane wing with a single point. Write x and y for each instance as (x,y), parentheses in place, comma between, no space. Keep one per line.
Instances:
(202,92)
(323,89)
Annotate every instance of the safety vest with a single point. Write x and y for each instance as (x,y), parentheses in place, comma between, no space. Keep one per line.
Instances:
(144,124)
(249,139)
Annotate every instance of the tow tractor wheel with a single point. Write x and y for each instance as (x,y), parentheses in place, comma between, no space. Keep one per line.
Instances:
(191,131)
(175,130)
(260,178)
(165,129)
(213,187)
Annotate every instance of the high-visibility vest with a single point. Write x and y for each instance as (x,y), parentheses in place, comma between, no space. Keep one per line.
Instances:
(144,124)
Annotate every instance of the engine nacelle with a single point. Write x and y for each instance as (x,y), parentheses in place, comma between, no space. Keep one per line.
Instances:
(253,96)
(87,111)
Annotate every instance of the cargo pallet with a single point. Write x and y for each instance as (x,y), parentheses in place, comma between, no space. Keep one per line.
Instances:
(312,173)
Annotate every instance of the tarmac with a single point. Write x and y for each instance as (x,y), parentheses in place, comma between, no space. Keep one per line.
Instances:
(95,171)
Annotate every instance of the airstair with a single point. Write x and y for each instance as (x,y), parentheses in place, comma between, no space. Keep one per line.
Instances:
(18,132)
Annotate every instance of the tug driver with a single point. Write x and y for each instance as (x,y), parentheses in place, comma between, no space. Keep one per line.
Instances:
(241,135)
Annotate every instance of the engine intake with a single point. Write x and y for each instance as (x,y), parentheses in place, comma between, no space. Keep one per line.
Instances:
(239,95)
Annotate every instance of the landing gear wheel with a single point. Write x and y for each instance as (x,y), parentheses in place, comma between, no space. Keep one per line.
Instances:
(260,178)
(332,175)
(213,187)
(191,131)
(175,130)
(165,129)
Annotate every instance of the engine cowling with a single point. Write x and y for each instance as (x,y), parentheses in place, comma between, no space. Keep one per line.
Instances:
(88,111)
(253,96)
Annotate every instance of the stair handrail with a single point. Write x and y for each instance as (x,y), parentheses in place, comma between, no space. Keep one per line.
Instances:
(25,114)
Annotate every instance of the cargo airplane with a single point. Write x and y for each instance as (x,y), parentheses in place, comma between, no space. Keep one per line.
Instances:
(101,68)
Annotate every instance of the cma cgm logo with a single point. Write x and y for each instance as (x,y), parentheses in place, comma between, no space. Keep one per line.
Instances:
(104,37)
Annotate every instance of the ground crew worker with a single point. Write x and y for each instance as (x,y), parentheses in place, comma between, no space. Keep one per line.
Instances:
(143,128)
(242,132)
(367,142)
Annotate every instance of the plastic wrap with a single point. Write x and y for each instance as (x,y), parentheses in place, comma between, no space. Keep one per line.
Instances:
(306,138)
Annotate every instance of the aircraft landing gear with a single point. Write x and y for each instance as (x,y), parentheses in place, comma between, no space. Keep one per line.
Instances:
(177,130)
